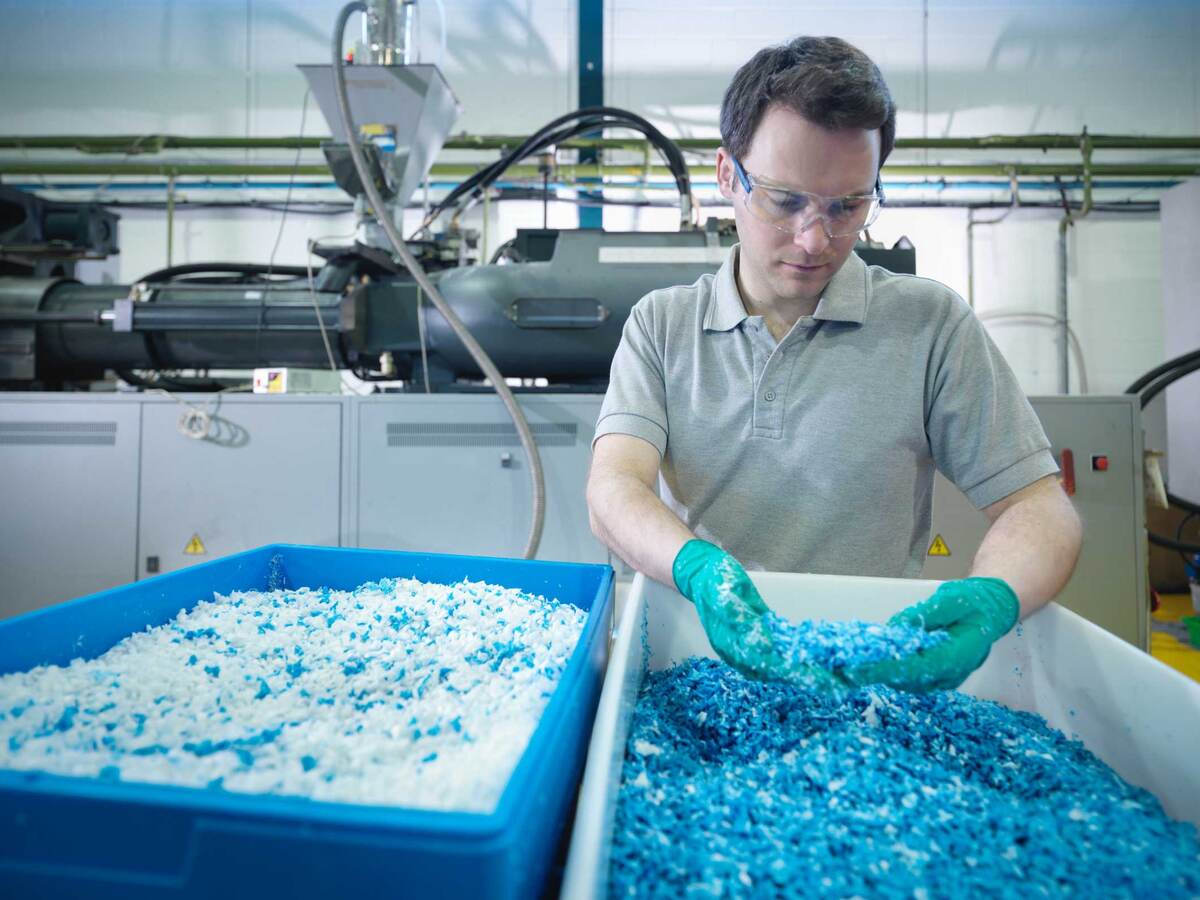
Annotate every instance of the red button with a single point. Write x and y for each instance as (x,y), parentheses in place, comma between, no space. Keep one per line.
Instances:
(1100,463)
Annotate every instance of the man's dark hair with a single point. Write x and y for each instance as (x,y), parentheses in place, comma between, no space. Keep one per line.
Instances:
(828,81)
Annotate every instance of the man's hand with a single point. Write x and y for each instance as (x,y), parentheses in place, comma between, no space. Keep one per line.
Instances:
(973,612)
(733,615)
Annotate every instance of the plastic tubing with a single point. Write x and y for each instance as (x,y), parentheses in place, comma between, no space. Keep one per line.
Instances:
(536,477)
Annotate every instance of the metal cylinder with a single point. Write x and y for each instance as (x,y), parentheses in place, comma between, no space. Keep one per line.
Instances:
(179,327)
(387,35)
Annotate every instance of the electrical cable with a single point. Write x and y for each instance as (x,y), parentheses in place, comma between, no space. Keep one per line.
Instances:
(262,300)
(1138,386)
(477,184)
(591,117)
(1054,321)
(287,199)
(171,273)
(194,422)
(537,478)
(1179,535)
(312,293)
(1146,389)
(442,46)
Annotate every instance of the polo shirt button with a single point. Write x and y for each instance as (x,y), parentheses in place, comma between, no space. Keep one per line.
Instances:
(769,396)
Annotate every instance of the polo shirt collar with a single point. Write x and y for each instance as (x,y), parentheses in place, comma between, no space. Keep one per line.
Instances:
(726,311)
(845,297)
(843,300)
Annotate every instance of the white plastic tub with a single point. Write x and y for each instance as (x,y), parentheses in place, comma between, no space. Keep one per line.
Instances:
(1139,716)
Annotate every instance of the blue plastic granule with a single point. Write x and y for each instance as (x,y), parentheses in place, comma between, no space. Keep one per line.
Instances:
(308,763)
(737,787)
(834,645)
(264,690)
(214,671)
(67,719)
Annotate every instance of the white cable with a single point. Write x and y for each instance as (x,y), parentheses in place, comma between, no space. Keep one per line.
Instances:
(1041,318)
(442,46)
(287,200)
(312,293)
(194,422)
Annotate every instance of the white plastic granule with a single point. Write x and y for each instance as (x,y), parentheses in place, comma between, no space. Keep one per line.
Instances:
(397,693)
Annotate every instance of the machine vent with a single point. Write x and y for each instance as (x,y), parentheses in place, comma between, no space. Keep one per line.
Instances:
(43,434)
(477,434)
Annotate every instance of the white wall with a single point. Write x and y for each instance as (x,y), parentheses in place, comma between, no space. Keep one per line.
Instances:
(1181,276)
(956,67)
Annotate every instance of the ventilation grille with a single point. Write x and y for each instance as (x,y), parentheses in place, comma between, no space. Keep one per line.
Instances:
(477,434)
(44,434)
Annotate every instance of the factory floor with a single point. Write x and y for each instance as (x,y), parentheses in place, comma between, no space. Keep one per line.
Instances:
(1168,637)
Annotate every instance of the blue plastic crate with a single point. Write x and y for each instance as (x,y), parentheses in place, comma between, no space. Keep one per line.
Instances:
(81,837)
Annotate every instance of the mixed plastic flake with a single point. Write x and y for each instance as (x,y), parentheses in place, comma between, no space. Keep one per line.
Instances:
(735,787)
(399,692)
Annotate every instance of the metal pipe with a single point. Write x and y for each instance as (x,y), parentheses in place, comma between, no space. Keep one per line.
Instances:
(971,257)
(1069,219)
(972,223)
(1063,310)
(576,172)
(130,145)
(170,220)
(387,30)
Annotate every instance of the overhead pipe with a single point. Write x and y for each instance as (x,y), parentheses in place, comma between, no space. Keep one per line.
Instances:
(133,145)
(577,172)
(1063,306)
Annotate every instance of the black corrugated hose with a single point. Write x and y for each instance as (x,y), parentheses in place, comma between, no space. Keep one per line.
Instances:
(1147,388)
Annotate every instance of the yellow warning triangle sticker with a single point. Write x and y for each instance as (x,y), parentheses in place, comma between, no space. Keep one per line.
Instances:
(196,546)
(938,547)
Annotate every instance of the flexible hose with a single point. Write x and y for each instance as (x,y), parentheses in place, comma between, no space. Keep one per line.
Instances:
(591,118)
(1138,386)
(1076,347)
(536,477)
(1147,388)
(221,268)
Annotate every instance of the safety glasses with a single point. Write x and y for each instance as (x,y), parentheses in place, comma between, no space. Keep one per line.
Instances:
(794,212)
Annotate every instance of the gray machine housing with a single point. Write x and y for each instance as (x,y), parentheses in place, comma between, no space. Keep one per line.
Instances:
(102,490)
(1111,585)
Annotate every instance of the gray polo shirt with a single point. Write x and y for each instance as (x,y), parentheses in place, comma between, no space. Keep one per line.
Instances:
(817,454)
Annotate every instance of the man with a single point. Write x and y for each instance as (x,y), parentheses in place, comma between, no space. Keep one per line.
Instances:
(797,402)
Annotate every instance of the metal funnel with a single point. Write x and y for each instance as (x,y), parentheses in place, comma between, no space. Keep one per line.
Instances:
(413,102)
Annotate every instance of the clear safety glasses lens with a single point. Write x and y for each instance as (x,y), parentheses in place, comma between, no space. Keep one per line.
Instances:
(796,211)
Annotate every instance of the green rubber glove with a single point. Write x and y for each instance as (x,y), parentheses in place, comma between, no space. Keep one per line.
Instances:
(732,613)
(974,612)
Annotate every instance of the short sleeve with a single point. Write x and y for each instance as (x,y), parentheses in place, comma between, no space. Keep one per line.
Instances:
(983,434)
(636,401)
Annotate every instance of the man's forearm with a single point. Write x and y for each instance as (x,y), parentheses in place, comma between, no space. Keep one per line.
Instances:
(636,525)
(1033,545)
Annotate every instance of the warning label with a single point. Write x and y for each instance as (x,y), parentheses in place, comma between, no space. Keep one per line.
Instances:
(196,546)
(938,547)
